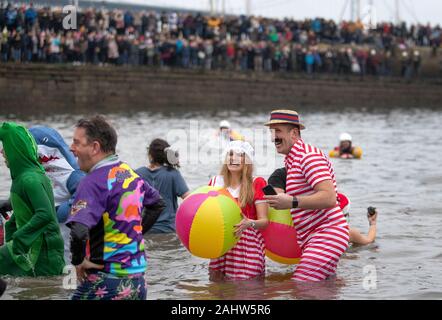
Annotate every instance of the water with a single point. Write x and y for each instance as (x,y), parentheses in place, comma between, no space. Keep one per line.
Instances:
(400,174)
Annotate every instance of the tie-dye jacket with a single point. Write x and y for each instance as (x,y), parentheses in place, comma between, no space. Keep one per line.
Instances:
(109,202)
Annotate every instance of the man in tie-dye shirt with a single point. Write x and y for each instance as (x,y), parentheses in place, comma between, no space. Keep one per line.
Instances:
(106,218)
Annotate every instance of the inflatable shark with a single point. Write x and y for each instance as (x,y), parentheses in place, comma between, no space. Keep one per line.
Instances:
(60,165)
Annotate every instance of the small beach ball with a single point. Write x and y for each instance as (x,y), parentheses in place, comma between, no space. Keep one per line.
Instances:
(280,238)
(205,222)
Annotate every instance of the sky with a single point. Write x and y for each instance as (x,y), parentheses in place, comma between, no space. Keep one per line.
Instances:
(411,11)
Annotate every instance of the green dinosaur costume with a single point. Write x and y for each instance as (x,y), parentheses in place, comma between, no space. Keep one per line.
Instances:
(34,246)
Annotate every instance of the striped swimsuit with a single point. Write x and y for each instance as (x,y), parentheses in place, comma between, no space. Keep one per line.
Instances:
(246,259)
(323,235)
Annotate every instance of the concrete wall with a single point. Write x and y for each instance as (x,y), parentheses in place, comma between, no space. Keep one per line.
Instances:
(59,89)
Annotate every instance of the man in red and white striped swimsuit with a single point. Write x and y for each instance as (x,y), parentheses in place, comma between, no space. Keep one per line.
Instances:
(311,193)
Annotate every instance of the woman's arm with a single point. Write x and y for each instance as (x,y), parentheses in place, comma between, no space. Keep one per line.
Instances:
(262,213)
(358,238)
(181,188)
(260,224)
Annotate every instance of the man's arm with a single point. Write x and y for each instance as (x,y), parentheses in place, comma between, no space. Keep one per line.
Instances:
(316,171)
(323,198)
(79,237)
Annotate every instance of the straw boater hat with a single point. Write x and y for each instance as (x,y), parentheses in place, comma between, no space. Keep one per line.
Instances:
(285,116)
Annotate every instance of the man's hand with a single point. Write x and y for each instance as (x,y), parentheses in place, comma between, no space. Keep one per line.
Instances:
(280,202)
(82,268)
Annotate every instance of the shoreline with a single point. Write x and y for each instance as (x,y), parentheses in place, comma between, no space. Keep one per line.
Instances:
(37,89)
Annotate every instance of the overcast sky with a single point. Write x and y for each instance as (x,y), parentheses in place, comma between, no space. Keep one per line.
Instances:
(412,11)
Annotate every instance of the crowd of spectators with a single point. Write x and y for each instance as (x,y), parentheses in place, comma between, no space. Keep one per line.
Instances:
(192,40)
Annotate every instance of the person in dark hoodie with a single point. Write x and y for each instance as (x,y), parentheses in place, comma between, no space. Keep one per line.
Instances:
(34,246)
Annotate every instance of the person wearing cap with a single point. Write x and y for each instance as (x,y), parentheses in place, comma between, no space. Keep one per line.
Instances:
(278,181)
(345,147)
(246,259)
(311,194)
(226,132)
(346,150)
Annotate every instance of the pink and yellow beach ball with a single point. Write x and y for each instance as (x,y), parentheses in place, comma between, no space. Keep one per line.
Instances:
(205,222)
(281,238)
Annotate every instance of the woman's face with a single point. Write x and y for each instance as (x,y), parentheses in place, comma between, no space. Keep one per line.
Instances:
(235,161)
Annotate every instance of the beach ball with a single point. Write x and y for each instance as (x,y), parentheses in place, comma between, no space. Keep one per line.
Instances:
(280,237)
(205,222)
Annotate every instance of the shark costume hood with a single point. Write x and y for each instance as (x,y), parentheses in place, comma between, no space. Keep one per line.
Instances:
(60,165)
